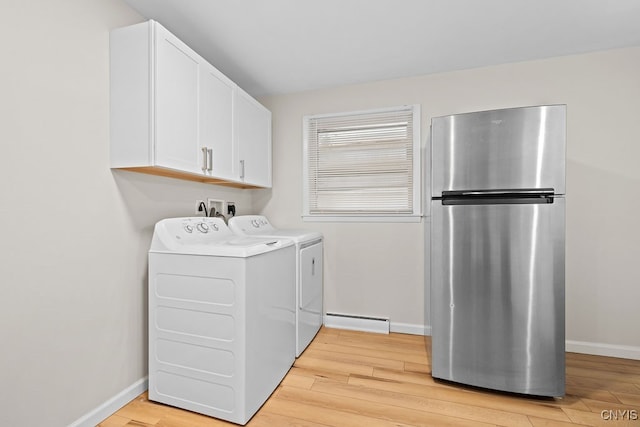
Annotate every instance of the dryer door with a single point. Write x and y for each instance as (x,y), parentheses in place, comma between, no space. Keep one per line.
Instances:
(309,294)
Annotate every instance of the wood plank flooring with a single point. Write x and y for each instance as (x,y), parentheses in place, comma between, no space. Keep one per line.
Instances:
(348,378)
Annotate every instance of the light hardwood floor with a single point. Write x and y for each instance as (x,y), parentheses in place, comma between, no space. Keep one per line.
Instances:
(348,378)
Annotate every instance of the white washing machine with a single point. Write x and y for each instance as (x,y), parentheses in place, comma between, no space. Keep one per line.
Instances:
(308,271)
(221,317)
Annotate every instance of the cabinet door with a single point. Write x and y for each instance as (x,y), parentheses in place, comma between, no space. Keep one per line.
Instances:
(216,122)
(176,104)
(253,136)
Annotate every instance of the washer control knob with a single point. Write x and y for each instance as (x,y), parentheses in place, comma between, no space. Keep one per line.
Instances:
(255,223)
(188,228)
(203,227)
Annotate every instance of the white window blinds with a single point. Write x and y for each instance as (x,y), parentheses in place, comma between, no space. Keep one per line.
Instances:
(362,163)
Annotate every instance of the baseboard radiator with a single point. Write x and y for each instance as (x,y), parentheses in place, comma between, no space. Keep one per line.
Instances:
(356,323)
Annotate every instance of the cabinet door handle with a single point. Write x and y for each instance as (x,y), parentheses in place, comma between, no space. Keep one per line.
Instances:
(205,158)
(210,159)
(241,169)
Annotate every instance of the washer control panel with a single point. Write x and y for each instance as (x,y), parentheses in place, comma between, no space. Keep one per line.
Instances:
(250,224)
(200,225)
(195,230)
(259,223)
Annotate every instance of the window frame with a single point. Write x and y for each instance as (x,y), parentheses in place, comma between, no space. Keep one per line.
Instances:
(414,216)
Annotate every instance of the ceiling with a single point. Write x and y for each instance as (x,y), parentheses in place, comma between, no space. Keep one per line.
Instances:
(283,46)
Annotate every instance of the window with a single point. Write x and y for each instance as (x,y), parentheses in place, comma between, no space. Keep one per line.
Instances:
(362,165)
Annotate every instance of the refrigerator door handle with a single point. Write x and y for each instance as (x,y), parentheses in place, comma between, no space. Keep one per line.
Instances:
(498,197)
(508,193)
(541,200)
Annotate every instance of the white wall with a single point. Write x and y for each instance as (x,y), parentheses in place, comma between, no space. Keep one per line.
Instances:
(376,269)
(74,235)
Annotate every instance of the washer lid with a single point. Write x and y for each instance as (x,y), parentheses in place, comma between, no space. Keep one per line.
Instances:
(258,225)
(208,236)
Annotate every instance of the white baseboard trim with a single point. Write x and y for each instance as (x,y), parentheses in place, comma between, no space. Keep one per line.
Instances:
(370,324)
(597,349)
(600,349)
(356,323)
(409,328)
(103,411)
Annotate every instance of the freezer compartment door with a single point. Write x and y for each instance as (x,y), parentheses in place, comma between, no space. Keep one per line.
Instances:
(497,296)
(510,148)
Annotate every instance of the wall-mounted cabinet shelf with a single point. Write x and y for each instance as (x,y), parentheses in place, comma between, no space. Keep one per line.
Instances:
(172,173)
(174,114)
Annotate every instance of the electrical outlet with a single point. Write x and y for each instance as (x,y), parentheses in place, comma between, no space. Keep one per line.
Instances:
(200,206)
(231,208)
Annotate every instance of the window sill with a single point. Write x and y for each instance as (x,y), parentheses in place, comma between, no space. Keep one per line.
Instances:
(362,218)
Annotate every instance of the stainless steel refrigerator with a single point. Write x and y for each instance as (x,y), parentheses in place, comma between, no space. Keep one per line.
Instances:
(498,249)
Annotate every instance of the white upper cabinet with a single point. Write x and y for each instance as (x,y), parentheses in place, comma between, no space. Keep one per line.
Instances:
(253,136)
(174,114)
(216,123)
(176,104)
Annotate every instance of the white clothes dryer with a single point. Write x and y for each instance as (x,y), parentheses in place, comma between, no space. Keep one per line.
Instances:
(221,317)
(309,264)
